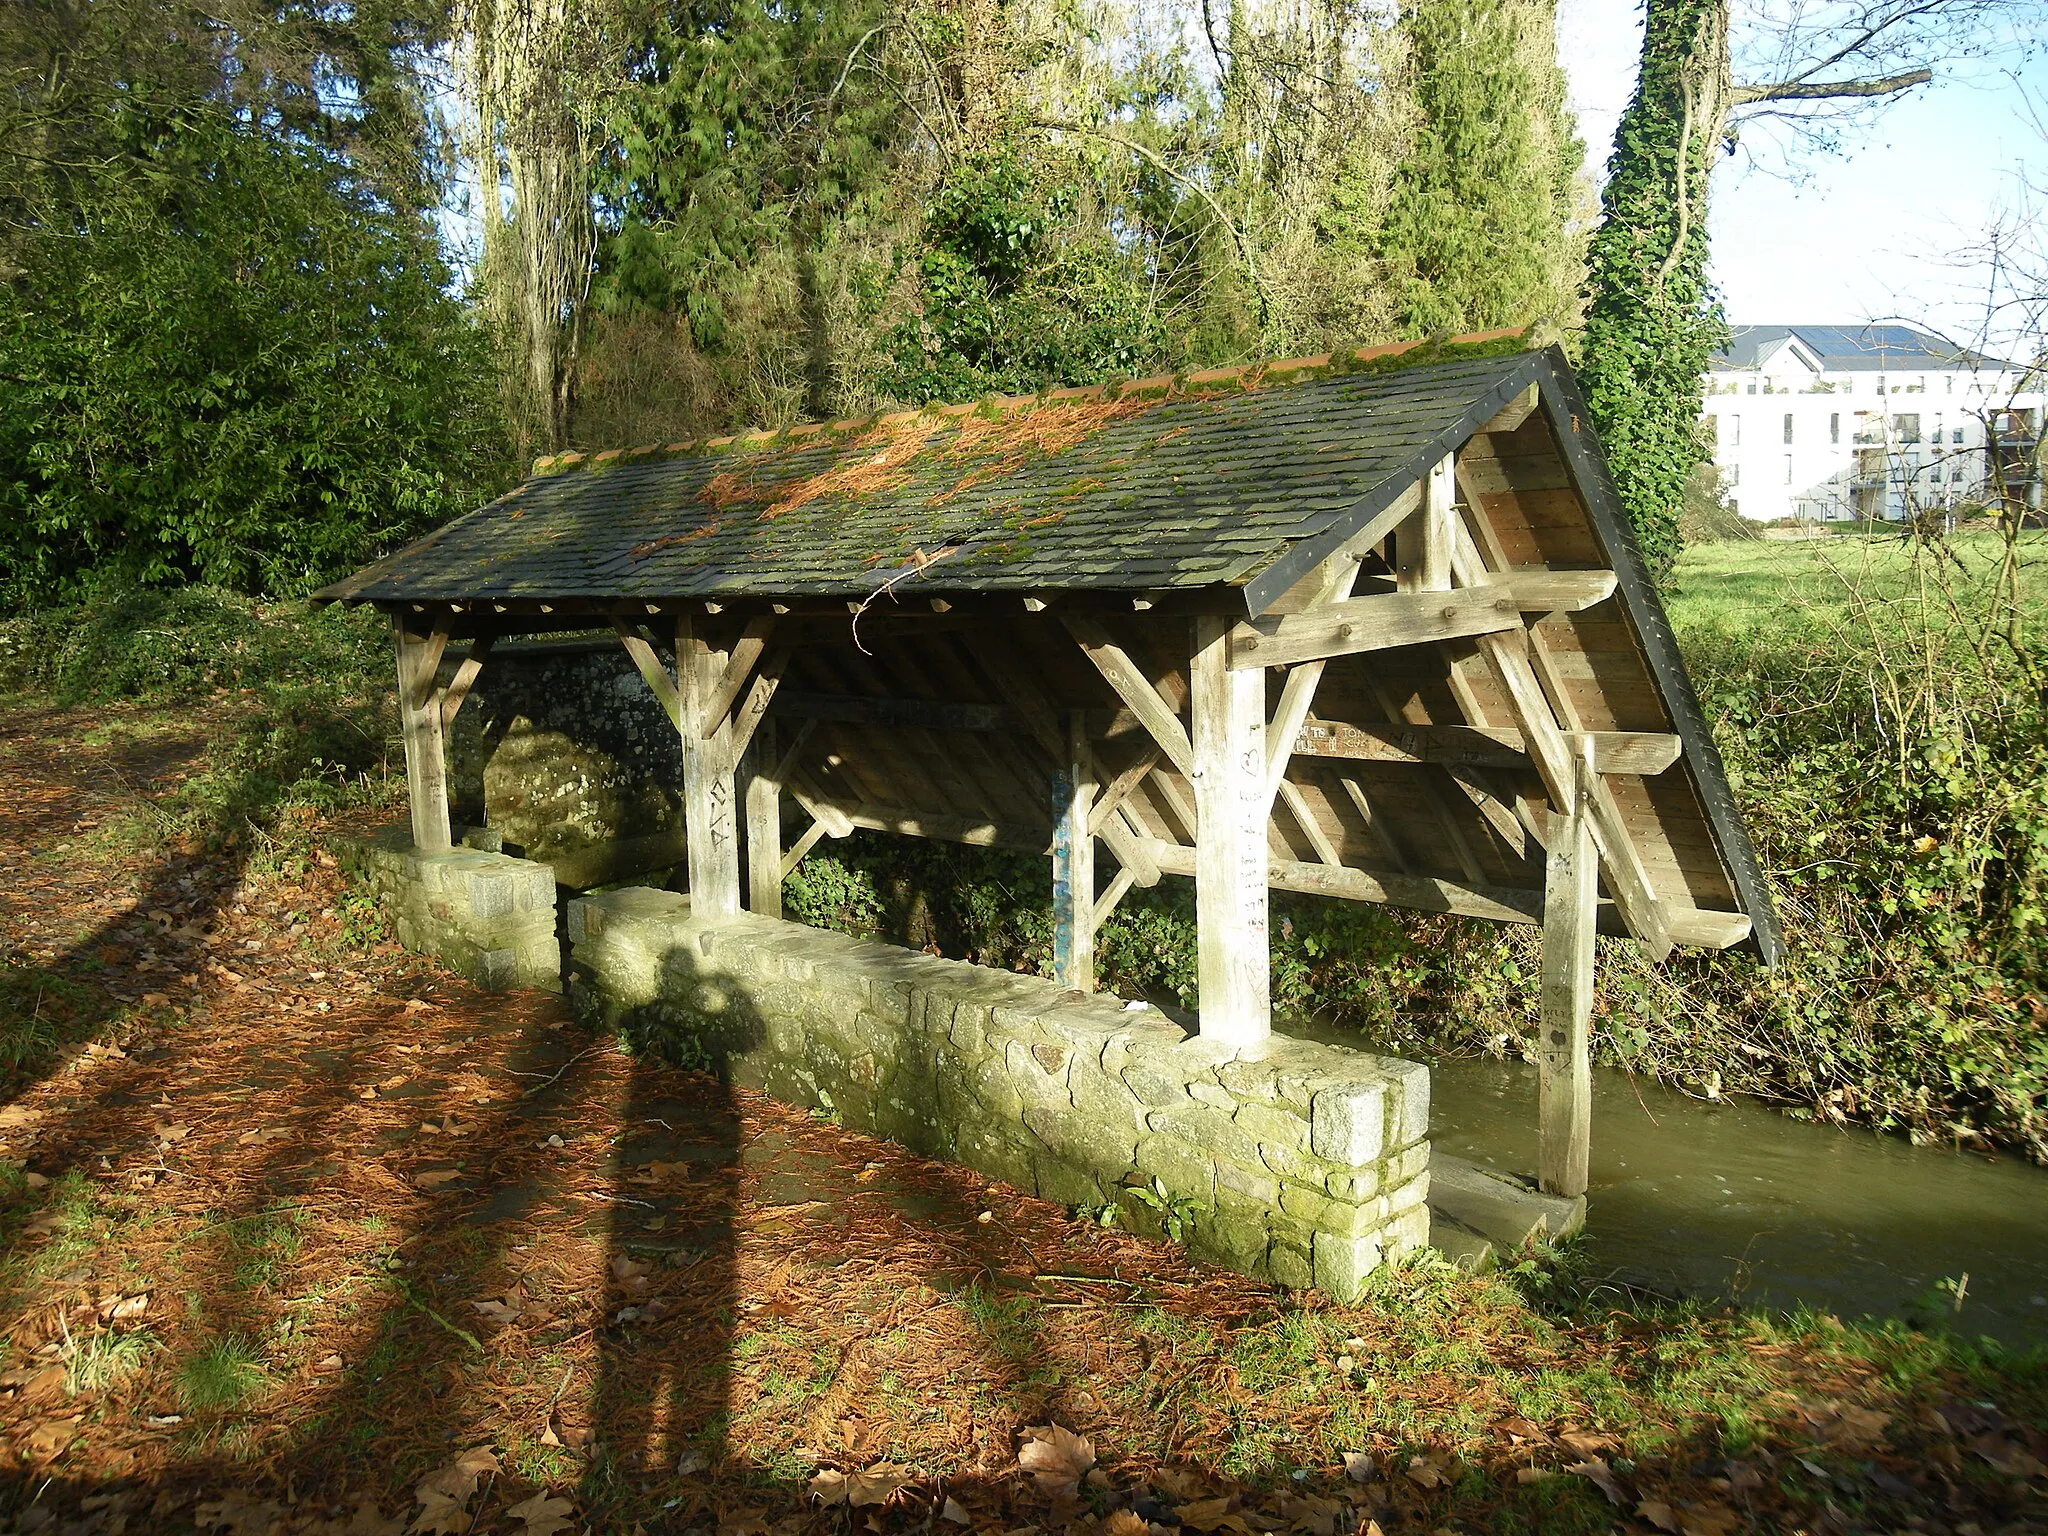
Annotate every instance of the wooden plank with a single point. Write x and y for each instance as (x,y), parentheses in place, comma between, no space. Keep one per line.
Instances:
(803,845)
(709,813)
(1298,693)
(1134,688)
(1073,865)
(1571,894)
(754,707)
(1114,792)
(764,829)
(652,671)
(426,768)
(1389,620)
(464,679)
(821,807)
(739,667)
(1552,756)
(1119,887)
(1480,746)
(895,714)
(1044,726)
(1495,903)
(1231,856)
(1375,824)
(1305,817)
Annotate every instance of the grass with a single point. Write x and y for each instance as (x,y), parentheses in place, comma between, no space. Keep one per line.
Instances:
(223,1375)
(104,1361)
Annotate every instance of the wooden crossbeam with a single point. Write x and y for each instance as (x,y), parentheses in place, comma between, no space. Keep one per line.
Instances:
(1388,620)
(802,846)
(659,683)
(896,714)
(739,666)
(753,709)
(820,806)
(1118,789)
(1135,689)
(464,679)
(1119,887)
(1298,693)
(1500,904)
(1480,746)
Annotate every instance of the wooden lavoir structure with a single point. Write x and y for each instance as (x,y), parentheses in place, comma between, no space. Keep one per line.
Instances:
(1370,626)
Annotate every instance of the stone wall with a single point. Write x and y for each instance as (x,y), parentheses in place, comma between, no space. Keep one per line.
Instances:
(563,752)
(1306,1165)
(485,915)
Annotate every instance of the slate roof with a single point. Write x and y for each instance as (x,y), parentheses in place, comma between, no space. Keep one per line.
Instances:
(1852,348)
(1238,477)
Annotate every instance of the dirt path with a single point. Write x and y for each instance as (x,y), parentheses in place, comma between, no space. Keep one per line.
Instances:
(309,1237)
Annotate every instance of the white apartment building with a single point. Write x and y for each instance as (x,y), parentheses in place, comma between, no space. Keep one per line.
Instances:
(1832,422)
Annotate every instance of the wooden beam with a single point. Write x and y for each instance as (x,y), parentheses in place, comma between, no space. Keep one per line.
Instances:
(1118,789)
(1571,895)
(1422,893)
(1298,693)
(835,819)
(1134,688)
(710,816)
(754,707)
(739,666)
(652,671)
(1375,824)
(1305,817)
(803,845)
(1480,746)
(1119,887)
(1231,806)
(1386,620)
(895,714)
(1073,865)
(1043,725)
(764,828)
(946,827)
(1422,546)
(465,679)
(426,767)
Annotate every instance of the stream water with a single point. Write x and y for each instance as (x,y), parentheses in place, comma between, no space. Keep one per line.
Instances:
(1741,1202)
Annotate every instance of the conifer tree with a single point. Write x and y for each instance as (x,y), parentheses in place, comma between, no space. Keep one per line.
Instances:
(1478,234)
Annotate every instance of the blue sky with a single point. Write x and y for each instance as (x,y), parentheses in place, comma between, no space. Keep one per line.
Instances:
(1879,229)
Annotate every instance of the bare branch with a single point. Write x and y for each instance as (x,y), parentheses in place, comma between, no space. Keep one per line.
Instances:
(1827,90)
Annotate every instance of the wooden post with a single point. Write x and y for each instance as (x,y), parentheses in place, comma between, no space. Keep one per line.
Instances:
(764,826)
(1422,545)
(709,814)
(1231,806)
(1570,907)
(419,712)
(1073,864)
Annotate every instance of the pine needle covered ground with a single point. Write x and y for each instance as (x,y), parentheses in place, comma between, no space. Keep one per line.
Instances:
(302,1236)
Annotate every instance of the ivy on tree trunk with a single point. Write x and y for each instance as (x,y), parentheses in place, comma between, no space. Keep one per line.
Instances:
(1652,321)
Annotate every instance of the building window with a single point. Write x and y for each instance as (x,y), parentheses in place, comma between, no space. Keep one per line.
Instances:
(1949,379)
(1834,426)
(1880,383)
(1735,474)
(1788,426)
(1955,434)
(1907,427)
(1752,386)
(1734,431)
(1788,469)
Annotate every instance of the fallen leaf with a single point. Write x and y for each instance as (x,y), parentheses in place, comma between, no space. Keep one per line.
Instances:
(170,1135)
(50,1438)
(1359,1466)
(954,1513)
(330,1363)
(631,1272)
(497,1311)
(35,1180)
(544,1516)
(1601,1476)
(1846,1427)
(240,1514)
(1583,1442)
(124,1307)
(13,1115)
(369,1520)
(34,1383)
(155,1000)
(828,1487)
(691,1462)
(418,1005)
(1209,1515)
(878,1484)
(253,1138)
(1522,1429)
(1709,1520)
(444,1493)
(437,1177)
(1659,1514)
(1056,1458)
